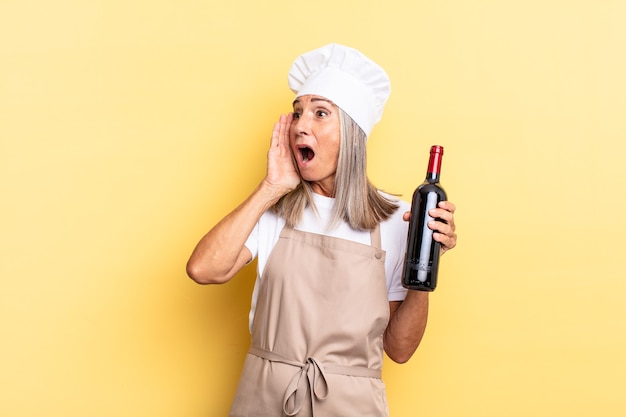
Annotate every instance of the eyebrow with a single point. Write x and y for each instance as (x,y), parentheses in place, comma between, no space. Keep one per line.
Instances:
(296,101)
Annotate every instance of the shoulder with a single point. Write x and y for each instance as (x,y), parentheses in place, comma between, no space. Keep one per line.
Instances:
(270,223)
(270,217)
(394,230)
(265,233)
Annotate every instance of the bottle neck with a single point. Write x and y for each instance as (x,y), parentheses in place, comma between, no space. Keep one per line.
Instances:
(434,164)
(432,177)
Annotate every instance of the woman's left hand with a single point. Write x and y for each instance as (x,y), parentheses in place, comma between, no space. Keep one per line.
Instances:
(444,231)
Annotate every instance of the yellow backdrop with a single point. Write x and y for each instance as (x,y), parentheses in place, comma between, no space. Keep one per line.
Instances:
(128,128)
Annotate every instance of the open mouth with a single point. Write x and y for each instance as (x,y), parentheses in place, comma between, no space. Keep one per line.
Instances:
(306,153)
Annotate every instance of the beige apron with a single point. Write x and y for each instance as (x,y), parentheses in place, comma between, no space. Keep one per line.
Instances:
(317,347)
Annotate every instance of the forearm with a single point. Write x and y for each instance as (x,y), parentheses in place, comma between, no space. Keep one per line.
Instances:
(220,254)
(406,327)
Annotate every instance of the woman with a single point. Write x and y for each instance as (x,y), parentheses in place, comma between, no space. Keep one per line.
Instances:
(330,246)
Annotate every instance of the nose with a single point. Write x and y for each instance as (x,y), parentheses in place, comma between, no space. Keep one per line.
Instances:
(301,125)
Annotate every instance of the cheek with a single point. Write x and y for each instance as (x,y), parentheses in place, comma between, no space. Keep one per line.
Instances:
(333,146)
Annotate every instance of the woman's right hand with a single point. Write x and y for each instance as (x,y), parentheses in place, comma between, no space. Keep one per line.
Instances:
(282,175)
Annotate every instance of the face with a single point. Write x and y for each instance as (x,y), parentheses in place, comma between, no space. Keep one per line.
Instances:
(314,139)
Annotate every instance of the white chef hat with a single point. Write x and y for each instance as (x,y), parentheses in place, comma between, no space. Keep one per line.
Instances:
(352,81)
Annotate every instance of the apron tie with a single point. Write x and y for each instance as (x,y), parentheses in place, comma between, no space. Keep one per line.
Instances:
(310,377)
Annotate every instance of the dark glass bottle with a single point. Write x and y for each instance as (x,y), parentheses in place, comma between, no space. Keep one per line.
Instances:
(422,254)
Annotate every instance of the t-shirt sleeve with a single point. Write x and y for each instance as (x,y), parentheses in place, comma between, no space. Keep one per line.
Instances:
(252,243)
(395,240)
(395,290)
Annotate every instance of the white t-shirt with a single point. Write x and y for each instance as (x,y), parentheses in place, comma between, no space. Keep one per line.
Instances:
(393,234)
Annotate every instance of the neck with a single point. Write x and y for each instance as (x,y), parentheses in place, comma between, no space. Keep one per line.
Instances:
(325,189)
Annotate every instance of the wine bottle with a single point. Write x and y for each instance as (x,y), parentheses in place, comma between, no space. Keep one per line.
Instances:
(422,254)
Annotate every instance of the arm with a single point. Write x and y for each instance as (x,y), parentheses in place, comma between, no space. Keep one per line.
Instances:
(221,253)
(407,320)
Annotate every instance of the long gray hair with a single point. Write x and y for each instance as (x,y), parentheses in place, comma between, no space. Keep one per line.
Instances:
(357,201)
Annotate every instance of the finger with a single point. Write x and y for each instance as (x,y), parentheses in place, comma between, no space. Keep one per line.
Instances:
(288,121)
(440,227)
(446,246)
(447,205)
(445,212)
(406,216)
(443,216)
(448,241)
(275,140)
(281,132)
(285,126)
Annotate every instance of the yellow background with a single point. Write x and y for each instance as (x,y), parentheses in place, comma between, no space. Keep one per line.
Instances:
(128,128)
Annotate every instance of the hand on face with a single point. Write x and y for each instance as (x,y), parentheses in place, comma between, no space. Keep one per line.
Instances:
(281,172)
(444,233)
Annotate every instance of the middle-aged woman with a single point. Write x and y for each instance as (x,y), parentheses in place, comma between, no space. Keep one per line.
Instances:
(327,299)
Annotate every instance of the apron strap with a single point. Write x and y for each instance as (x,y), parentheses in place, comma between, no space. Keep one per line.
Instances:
(311,377)
(375,236)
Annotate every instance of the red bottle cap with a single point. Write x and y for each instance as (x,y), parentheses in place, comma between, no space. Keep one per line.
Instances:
(434,165)
(437,149)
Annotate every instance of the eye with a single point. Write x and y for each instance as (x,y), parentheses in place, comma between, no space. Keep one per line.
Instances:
(322,113)
(296,115)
